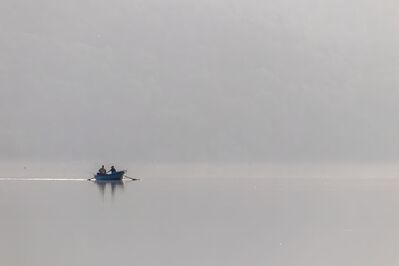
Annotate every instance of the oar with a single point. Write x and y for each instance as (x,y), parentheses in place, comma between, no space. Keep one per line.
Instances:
(133,179)
(94,177)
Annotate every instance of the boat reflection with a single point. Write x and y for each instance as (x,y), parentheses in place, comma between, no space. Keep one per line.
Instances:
(114,185)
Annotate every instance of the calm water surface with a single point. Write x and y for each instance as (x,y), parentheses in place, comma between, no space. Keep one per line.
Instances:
(201,221)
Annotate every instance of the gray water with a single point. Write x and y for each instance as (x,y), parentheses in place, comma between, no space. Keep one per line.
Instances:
(201,221)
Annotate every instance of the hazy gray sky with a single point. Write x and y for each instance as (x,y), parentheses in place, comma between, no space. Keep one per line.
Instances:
(209,80)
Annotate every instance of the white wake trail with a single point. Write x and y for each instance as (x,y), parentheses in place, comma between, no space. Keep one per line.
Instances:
(40,179)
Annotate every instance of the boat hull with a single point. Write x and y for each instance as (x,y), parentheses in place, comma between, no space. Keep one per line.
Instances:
(110,177)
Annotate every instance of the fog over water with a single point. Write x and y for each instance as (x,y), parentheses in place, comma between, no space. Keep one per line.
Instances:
(199,81)
(263,132)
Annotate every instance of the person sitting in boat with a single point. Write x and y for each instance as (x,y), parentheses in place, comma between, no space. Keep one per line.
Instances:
(102,170)
(113,170)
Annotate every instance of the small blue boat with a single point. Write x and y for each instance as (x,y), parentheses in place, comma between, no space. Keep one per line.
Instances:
(110,177)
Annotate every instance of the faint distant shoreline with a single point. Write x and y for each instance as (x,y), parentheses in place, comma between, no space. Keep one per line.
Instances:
(206,170)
